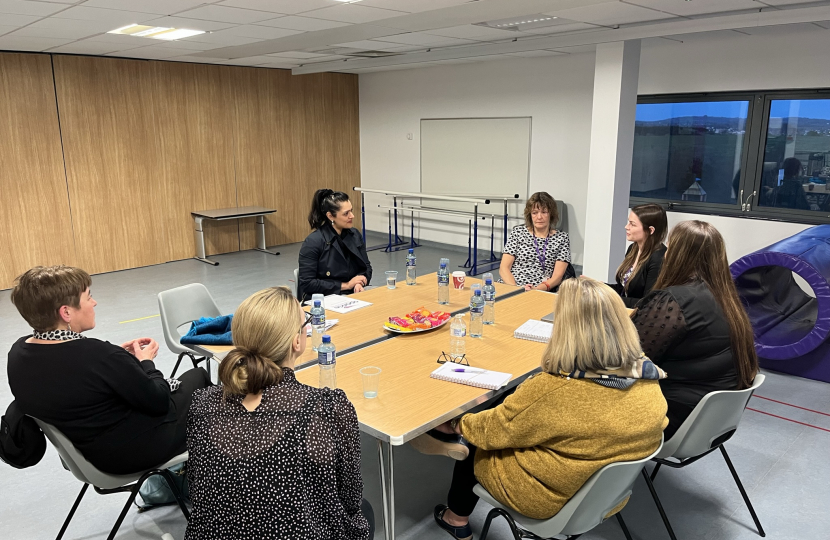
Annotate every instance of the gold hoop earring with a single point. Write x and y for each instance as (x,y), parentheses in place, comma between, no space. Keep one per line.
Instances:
(69,327)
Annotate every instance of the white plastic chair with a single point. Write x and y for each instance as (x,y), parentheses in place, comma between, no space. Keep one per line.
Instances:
(181,306)
(104,483)
(605,490)
(711,424)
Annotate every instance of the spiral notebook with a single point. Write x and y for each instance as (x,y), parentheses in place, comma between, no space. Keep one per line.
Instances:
(534,331)
(482,378)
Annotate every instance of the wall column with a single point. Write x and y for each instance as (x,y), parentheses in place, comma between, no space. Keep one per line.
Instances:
(612,144)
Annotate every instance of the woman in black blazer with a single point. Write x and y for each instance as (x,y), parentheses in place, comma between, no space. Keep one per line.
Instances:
(333,257)
(646,229)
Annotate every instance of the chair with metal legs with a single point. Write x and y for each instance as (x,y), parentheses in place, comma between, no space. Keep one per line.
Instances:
(104,483)
(711,424)
(605,491)
(181,306)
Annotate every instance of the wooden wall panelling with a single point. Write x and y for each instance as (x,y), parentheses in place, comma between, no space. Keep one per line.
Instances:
(341,135)
(35,219)
(194,121)
(112,154)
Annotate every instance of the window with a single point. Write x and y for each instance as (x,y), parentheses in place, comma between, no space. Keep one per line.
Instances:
(753,155)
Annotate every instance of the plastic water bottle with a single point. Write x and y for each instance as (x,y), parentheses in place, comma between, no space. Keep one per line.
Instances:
(489,293)
(318,324)
(458,332)
(410,267)
(476,314)
(327,359)
(443,284)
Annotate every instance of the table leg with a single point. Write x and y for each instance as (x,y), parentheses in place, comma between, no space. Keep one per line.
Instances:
(199,237)
(391,493)
(260,236)
(384,494)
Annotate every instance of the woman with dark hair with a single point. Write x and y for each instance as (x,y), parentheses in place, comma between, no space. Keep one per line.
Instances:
(270,457)
(109,400)
(333,257)
(646,230)
(693,324)
(536,255)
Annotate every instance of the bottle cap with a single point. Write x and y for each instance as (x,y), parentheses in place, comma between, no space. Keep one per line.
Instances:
(411,250)
(488,281)
(478,292)
(326,338)
(316,303)
(443,265)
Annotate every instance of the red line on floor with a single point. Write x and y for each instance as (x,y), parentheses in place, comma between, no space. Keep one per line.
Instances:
(790,405)
(788,419)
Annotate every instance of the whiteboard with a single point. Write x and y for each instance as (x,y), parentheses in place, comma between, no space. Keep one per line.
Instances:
(475,157)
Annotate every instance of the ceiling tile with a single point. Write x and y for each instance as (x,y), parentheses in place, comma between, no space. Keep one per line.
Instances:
(559,29)
(306,24)
(154,52)
(191,59)
(66,32)
(7,29)
(417,38)
(120,41)
(188,45)
(471,31)
(252,61)
(262,32)
(191,24)
(159,7)
(116,18)
(85,47)
(227,14)
(611,13)
(90,27)
(353,13)
(535,54)
(19,7)
(297,55)
(413,6)
(26,43)
(289,7)
(7,19)
(366,44)
(784,29)
(222,37)
(697,7)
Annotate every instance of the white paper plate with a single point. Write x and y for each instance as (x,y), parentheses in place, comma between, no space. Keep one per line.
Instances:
(396,331)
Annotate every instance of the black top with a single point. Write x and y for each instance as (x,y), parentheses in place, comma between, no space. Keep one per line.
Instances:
(328,259)
(116,410)
(288,470)
(684,331)
(641,283)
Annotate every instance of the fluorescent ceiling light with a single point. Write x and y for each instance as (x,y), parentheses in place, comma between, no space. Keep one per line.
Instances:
(526,22)
(155,32)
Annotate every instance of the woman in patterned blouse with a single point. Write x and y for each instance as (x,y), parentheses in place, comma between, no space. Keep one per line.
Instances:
(271,458)
(536,255)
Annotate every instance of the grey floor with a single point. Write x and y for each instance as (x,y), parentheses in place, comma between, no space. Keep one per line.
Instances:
(783,464)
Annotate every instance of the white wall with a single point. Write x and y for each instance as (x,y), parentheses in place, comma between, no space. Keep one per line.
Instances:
(555,91)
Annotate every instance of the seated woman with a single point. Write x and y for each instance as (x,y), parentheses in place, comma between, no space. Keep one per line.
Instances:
(646,230)
(602,394)
(110,401)
(270,457)
(333,258)
(536,255)
(693,324)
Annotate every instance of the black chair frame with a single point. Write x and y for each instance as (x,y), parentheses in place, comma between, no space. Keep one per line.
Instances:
(519,532)
(132,489)
(192,359)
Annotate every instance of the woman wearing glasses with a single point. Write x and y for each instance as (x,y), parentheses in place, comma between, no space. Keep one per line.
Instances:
(271,457)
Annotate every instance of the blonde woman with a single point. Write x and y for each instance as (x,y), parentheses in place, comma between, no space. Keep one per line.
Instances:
(597,401)
(270,457)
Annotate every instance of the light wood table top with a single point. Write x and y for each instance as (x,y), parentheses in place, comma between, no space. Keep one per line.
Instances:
(363,326)
(409,401)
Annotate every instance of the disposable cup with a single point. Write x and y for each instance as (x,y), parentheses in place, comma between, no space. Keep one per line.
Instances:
(371,379)
(391,279)
(458,278)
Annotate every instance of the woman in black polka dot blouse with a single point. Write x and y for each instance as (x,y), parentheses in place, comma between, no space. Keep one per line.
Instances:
(536,255)
(271,458)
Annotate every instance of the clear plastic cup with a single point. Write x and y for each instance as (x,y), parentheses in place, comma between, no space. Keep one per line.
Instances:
(391,279)
(371,379)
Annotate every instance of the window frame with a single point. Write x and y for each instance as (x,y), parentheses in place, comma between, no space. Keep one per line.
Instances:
(752,157)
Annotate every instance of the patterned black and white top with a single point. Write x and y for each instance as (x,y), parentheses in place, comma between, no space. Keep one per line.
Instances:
(528,268)
(288,470)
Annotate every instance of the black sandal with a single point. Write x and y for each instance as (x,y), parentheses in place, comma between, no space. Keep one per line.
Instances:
(459,533)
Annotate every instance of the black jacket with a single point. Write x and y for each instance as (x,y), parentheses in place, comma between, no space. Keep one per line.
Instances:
(326,260)
(22,444)
(641,283)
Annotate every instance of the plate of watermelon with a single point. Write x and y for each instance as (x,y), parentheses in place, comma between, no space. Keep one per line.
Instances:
(419,320)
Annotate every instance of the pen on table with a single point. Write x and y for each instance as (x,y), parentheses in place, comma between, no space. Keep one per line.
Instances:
(468,370)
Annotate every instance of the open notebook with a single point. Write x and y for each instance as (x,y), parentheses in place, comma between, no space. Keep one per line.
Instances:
(534,331)
(482,378)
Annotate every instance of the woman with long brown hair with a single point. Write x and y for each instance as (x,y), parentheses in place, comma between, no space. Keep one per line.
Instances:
(646,230)
(693,324)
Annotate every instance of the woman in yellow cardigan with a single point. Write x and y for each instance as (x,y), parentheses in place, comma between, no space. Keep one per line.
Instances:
(597,401)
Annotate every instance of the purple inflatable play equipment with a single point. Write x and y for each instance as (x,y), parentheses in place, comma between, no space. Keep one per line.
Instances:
(791,327)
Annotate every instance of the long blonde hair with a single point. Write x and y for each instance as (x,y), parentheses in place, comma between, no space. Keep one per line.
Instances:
(263,330)
(592,331)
